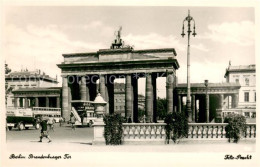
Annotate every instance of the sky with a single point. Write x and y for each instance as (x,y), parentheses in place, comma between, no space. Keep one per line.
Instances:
(35,37)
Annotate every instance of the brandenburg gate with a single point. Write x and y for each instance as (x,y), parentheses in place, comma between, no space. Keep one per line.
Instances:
(80,72)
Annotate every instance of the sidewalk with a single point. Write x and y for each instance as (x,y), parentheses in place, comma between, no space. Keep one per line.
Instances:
(86,146)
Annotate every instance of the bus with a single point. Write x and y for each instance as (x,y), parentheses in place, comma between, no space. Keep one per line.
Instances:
(47,112)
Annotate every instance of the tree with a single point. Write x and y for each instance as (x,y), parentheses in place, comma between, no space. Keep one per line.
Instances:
(7,89)
(161,107)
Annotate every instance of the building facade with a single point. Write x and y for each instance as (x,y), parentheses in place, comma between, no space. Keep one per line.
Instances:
(37,97)
(246,77)
(26,79)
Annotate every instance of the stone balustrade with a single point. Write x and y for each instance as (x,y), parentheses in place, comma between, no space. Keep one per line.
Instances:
(251,131)
(206,130)
(155,132)
(216,130)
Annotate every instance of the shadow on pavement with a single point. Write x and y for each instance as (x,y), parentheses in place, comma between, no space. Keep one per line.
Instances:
(89,143)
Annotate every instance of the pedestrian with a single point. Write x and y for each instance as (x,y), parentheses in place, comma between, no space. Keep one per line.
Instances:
(61,121)
(51,122)
(82,118)
(73,121)
(44,130)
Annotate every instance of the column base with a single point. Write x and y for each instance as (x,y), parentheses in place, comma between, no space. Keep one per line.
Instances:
(99,138)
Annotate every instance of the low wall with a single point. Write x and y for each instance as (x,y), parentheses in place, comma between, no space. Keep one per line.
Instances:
(154,133)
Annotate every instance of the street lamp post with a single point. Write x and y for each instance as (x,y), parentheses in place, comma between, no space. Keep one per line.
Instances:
(206,83)
(188,99)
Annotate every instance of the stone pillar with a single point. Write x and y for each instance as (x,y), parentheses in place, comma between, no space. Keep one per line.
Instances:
(83,88)
(193,107)
(228,101)
(15,102)
(218,118)
(135,99)
(58,102)
(169,91)
(69,98)
(207,108)
(154,119)
(102,87)
(25,102)
(128,96)
(235,100)
(47,102)
(221,100)
(103,91)
(149,98)
(36,101)
(179,103)
(65,99)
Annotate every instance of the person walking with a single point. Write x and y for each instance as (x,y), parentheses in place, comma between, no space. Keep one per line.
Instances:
(73,121)
(51,122)
(61,121)
(44,130)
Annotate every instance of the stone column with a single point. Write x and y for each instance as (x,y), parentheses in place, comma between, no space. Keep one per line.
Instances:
(135,99)
(25,102)
(65,99)
(218,118)
(154,119)
(58,102)
(221,100)
(207,108)
(169,91)
(128,96)
(102,87)
(149,98)
(103,91)
(69,98)
(36,101)
(83,88)
(235,100)
(15,102)
(179,103)
(47,102)
(193,107)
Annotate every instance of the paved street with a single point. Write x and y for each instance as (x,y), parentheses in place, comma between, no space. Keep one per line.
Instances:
(60,134)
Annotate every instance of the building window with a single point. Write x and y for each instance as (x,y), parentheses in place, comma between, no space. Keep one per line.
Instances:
(246,96)
(237,80)
(247,81)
